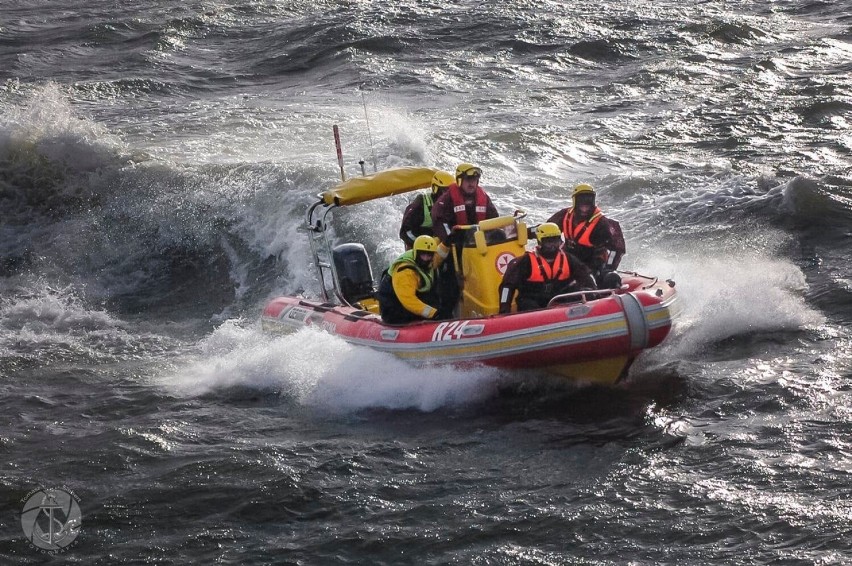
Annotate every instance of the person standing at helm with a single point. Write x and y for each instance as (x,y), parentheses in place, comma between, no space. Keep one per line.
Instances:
(595,239)
(543,273)
(464,202)
(407,291)
(417,218)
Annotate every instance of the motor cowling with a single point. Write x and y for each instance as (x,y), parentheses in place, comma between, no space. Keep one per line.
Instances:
(354,274)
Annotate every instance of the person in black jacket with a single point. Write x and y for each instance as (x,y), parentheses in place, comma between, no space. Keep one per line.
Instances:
(540,275)
(417,218)
(595,239)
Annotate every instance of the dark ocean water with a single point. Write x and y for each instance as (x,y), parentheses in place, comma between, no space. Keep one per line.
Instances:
(156,160)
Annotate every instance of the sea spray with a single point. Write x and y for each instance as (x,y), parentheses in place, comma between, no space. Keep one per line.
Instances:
(314,368)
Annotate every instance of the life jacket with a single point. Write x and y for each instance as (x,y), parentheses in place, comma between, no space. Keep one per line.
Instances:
(392,310)
(545,281)
(581,233)
(460,209)
(407,261)
(543,272)
(427,211)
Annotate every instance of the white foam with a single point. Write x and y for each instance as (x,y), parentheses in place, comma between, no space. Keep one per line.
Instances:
(53,323)
(52,310)
(728,295)
(48,121)
(317,369)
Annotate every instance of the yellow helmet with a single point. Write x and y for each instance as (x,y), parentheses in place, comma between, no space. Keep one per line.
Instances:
(467,170)
(583,192)
(582,188)
(425,244)
(441,180)
(547,230)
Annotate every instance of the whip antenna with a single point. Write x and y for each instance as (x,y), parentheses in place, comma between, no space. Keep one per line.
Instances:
(369,135)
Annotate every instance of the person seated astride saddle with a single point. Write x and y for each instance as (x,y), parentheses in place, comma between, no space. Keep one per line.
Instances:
(417,218)
(407,291)
(540,275)
(595,239)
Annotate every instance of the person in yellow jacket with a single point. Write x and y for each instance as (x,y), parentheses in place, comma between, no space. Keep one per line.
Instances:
(407,291)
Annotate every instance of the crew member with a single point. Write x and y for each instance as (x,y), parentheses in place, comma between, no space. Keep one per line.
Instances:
(417,218)
(407,291)
(540,275)
(464,202)
(596,240)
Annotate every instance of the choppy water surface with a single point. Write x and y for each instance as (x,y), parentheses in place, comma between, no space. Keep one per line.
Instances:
(155,162)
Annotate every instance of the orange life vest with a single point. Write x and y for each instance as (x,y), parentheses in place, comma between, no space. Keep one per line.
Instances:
(581,233)
(543,272)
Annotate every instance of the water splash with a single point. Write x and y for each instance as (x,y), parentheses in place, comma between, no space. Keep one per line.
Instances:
(723,296)
(316,369)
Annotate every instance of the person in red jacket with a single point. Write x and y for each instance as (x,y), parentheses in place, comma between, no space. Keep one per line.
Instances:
(595,239)
(540,275)
(464,202)
(417,218)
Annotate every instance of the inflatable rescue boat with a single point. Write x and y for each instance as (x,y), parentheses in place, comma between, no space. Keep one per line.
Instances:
(589,336)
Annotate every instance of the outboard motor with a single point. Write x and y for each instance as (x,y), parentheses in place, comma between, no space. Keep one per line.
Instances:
(353,272)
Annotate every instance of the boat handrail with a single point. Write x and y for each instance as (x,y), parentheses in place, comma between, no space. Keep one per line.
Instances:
(582,295)
(319,237)
(653,280)
(310,225)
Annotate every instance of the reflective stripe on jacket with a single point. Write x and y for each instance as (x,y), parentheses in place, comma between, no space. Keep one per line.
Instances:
(460,208)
